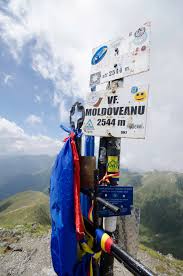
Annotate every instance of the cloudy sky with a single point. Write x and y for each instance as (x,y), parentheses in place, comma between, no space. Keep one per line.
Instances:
(45,55)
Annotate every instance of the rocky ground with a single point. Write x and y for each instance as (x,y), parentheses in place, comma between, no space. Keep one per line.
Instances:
(28,255)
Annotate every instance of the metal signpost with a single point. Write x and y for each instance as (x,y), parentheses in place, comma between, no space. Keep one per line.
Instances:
(114,113)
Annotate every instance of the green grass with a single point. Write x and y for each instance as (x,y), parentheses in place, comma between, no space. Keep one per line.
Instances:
(165,242)
(164,264)
(25,208)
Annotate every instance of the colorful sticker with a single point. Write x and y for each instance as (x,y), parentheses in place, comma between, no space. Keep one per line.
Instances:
(140,96)
(89,126)
(140,36)
(134,89)
(99,55)
(140,32)
(113,164)
(95,78)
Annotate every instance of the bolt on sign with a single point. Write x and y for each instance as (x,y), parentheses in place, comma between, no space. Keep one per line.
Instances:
(122,57)
(119,114)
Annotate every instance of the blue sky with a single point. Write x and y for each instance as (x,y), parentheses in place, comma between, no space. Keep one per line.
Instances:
(45,53)
(25,92)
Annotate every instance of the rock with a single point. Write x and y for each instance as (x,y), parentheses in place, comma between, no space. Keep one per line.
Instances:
(8,248)
(3,244)
(169,256)
(34,226)
(16,247)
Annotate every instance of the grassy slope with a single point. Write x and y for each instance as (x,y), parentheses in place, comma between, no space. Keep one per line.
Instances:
(25,208)
(163,264)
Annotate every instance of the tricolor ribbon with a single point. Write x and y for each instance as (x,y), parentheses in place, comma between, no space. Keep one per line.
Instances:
(104,240)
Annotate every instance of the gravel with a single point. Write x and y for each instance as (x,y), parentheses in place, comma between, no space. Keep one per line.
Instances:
(30,256)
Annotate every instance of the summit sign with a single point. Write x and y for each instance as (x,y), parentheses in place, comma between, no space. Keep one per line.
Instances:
(119,114)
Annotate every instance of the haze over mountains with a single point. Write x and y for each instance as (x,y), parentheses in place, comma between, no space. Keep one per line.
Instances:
(23,173)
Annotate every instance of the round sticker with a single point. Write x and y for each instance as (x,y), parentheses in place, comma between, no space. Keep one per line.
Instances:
(140,36)
(143,48)
(140,32)
(134,89)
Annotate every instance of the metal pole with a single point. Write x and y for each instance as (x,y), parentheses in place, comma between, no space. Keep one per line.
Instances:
(89,151)
(106,262)
(109,161)
(95,220)
(129,262)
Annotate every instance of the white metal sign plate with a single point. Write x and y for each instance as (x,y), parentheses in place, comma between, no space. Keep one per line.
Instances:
(123,57)
(120,114)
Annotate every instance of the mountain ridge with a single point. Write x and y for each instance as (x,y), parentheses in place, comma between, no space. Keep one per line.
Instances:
(25,208)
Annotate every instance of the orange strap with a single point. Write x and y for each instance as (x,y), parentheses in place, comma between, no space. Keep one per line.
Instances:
(107,176)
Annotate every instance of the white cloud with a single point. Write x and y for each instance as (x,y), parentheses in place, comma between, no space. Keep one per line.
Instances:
(65,32)
(14,33)
(33,120)
(6,79)
(64,113)
(14,140)
(37,99)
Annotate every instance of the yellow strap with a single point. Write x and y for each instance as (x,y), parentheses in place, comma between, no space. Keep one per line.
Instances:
(91,267)
(86,248)
(97,255)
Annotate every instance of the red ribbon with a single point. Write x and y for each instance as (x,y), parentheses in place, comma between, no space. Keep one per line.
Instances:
(77,207)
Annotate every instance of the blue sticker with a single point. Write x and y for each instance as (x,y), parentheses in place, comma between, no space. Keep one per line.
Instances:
(99,55)
(134,89)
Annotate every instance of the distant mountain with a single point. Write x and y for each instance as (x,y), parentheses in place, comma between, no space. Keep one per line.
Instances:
(25,208)
(160,197)
(27,164)
(161,200)
(24,173)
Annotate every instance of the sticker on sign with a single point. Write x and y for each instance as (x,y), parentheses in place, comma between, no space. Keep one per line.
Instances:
(119,114)
(122,57)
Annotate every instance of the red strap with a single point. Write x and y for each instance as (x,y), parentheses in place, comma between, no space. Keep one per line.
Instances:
(77,207)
